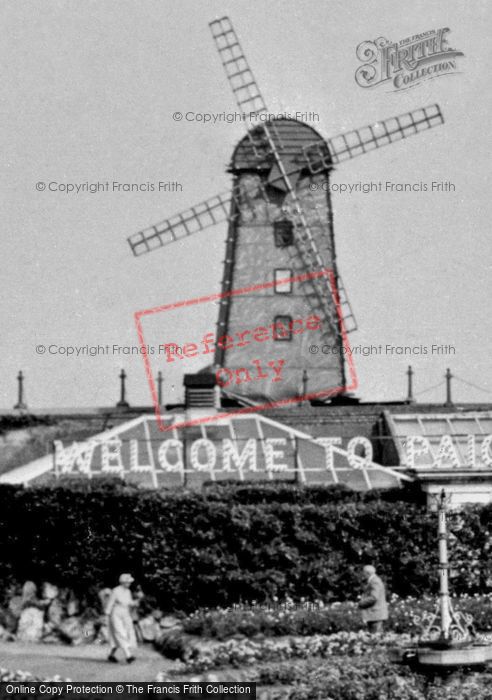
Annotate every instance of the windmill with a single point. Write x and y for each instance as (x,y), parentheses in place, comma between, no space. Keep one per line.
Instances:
(280,230)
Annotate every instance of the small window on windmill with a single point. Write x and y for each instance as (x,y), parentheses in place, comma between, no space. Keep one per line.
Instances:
(282,328)
(282,280)
(283,230)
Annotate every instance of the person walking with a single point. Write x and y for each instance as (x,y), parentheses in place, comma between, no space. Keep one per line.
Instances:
(121,629)
(373,601)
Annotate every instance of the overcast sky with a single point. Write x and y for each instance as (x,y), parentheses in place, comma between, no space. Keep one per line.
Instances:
(89,93)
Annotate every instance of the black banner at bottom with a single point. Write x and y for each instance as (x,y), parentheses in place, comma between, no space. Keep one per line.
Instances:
(128,691)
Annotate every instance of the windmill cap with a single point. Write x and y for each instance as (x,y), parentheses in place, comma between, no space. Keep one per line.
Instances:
(126,578)
(290,136)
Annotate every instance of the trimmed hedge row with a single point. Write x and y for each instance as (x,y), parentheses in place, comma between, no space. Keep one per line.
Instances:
(190,550)
(276,492)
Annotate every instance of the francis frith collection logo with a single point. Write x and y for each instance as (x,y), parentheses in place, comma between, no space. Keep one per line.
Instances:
(406,63)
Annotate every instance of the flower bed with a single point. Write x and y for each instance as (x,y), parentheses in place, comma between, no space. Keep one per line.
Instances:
(368,677)
(200,655)
(372,677)
(317,618)
(249,635)
(7,676)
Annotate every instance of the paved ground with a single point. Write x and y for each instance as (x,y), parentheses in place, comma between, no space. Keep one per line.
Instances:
(80,663)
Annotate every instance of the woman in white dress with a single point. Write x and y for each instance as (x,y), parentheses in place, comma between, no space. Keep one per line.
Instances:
(120,625)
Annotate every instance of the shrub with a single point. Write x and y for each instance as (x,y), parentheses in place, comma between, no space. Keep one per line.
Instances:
(18,422)
(278,492)
(190,550)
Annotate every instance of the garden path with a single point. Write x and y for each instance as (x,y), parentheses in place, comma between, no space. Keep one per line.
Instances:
(80,663)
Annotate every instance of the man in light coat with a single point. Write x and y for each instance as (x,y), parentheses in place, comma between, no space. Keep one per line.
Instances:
(373,601)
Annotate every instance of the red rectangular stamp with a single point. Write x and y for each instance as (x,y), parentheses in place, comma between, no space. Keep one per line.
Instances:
(277,343)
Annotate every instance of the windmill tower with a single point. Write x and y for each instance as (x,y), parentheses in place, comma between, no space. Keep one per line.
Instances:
(264,245)
(280,244)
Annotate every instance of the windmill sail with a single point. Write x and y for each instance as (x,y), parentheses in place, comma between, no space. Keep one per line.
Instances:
(368,138)
(248,98)
(197,218)
(241,78)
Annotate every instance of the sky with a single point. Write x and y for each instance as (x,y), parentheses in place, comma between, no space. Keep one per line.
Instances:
(89,94)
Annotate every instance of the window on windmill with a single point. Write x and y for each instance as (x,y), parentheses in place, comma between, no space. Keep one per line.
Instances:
(282,328)
(283,230)
(283,280)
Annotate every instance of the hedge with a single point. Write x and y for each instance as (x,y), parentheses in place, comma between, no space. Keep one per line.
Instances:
(189,550)
(275,492)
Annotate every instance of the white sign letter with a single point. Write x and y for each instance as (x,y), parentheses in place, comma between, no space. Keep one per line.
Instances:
(271,454)
(328,443)
(211,455)
(485,451)
(357,461)
(417,446)
(446,453)
(168,466)
(135,465)
(79,455)
(111,456)
(230,454)
(471,451)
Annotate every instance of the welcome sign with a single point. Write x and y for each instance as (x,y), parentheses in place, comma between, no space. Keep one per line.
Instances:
(452,452)
(249,448)
(442,441)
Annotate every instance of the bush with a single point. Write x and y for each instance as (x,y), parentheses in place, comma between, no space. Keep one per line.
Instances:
(278,492)
(21,421)
(191,550)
